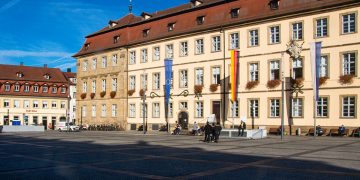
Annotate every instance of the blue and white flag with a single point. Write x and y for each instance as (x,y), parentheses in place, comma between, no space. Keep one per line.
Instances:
(168,79)
(315,53)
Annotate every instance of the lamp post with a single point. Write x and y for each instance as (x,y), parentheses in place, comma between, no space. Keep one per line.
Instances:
(282,95)
(143,101)
(222,30)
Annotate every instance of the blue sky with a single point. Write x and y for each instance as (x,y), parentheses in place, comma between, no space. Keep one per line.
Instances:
(39,32)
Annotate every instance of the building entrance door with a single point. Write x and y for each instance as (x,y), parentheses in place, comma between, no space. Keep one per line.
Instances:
(44,122)
(53,123)
(183,120)
(216,109)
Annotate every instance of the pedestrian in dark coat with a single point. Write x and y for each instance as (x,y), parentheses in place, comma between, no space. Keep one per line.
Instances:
(241,128)
(218,129)
(207,130)
(213,134)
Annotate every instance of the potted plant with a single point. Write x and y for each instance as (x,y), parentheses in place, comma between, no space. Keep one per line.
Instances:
(83,95)
(251,84)
(273,83)
(297,81)
(198,89)
(102,94)
(213,87)
(112,94)
(323,80)
(346,79)
(92,95)
(131,92)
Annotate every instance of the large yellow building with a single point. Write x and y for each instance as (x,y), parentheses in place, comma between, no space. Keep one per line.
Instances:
(269,34)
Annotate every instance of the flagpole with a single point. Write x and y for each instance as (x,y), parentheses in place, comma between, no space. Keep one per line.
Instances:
(315,110)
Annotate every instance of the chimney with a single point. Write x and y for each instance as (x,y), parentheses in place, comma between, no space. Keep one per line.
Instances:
(68,70)
(45,65)
(21,63)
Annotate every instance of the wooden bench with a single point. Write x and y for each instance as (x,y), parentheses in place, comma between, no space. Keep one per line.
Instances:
(311,131)
(355,133)
(335,132)
(274,131)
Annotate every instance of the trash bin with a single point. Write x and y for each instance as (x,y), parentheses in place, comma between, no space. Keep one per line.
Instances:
(298,132)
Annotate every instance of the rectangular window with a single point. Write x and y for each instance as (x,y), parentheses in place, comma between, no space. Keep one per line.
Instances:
(171,26)
(54,90)
(144,83)
(63,90)
(349,23)
(199,109)
(62,105)
(16,104)
(200,20)
(183,105)
(156,81)
(297,68)
(170,113)
(132,59)
(45,89)
(35,104)
(44,104)
(156,110)
(26,104)
(103,110)
(349,106)
(199,76)
(132,111)
(144,56)
(114,110)
(17,88)
(215,44)
(254,72)
(254,108)
(6,103)
(275,70)
(132,83)
(321,28)
(84,87)
(93,86)
(156,53)
(36,89)
(199,46)
(26,88)
(215,75)
(254,37)
(274,34)
(143,110)
(274,107)
(83,109)
(324,66)
(349,64)
(85,65)
(114,59)
(103,85)
(169,51)
(297,31)
(7,87)
(104,62)
(183,79)
(234,107)
(114,84)
(322,107)
(234,41)
(234,13)
(53,104)
(297,107)
(93,110)
(183,49)
(94,63)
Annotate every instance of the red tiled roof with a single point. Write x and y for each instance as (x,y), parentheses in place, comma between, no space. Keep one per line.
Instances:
(216,12)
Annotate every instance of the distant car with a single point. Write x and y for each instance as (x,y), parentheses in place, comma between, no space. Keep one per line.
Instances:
(63,126)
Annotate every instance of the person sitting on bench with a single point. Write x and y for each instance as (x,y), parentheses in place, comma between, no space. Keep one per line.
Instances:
(319,130)
(342,130)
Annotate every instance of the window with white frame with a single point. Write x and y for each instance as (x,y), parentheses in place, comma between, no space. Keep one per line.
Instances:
(274,34)
(93,86)
(215,75)
(234,41)
(132,111)
(53,104)
(169,51)
(254,37)
(103,110)
(199,46)
(254,108)
(324,66)
(275,70)
(297,107)
(297,68)
(156,53)
(16,104)
(132,59)
(36,88)
(26,88)
(104,62)
(114,84)
(199,76)
(297,31)
(199,109)
(6,103)
(156,81)
(349,64)
(321,27)
(54,90)
(183,78)
(114,110)
(183,48)
(62,105)
(183,105)
(17,88)
(26,104)
(45,105)
(215,44)
(94,63)
(322,107)
(156,110)
(143,78)
(7,87)
(45,89)
(63,90)
(143,111)
(348,106)
(85,65)
(144,55)
(35,104)
(234,107)
(84,87)
(132,83)
(103,85)
(93,111)
(170,113)
(274,107)
(83,109)
(253,72)
(114,59)
(349,23)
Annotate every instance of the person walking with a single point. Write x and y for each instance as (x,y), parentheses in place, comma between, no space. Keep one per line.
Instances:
(218,129)
(213,132)
(195,128)
(241,128)
(207,130)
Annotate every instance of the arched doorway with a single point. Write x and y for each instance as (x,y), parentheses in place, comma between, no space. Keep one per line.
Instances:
(183,119)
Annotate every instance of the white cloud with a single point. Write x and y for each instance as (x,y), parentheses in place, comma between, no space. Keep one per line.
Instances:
(20,53)
(9,5)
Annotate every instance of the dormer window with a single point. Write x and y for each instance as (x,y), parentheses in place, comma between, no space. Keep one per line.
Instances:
(112,24)
(146,32)
(47,76)
(145,15)
(195,3)
(19,74)
(86,46)
(274,4)
(200,20)
(17,88)
(116,39)
(234,13)
(171,26)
